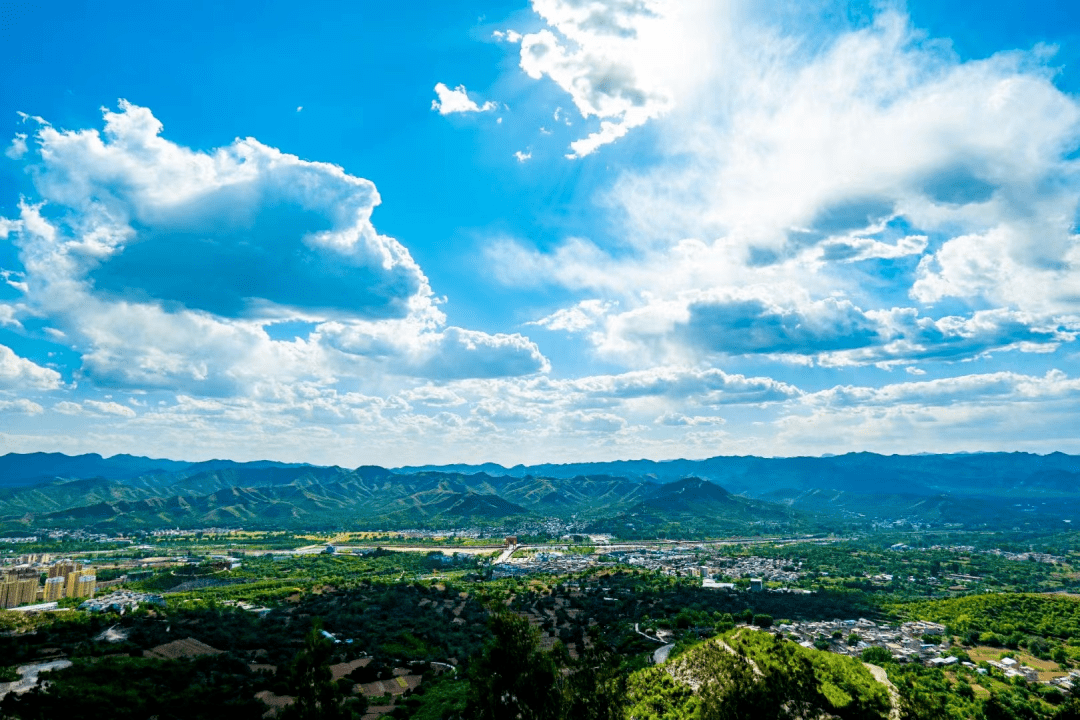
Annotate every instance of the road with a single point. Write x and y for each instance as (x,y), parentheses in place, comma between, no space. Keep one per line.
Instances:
(660,656)
(637,629)
(506,553)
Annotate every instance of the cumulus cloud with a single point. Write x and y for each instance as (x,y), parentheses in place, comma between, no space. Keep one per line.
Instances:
(453,353)
(8,314)
(19,373)
(457,353)
(605,55)
(817,199)
(108,408)
(995,387)
(21,406)
(151,220)
(1004,265)
(705,386)
(679,420)
(165,266)
(574,319)
(738,326)
(831,331)
(985,411)
(855,249)
(18,147)
(458,101)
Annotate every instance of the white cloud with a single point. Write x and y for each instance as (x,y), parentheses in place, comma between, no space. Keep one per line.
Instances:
(808,189)
(458,101)
(574,319)
(95,408)
(19,373)
(108,408)
(523,156)
(17,148)
(66,407)
(132,253)
(680,420)
(854,249)
(982,412)
(21,406)
(1007,265)
(609,56)
(703,386)
(8,316)
(153,220)
(993,387)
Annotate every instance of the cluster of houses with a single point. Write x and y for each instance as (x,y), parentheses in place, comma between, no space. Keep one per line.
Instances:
(923,642)
(768,569)
(552,562)
(121,601)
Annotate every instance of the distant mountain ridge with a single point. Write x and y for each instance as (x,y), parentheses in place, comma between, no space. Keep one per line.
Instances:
(721,494)
(23,469)
(961,473)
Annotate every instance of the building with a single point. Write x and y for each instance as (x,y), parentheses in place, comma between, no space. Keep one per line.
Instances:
(86,587)
(62,568)
(121,600)
(757,584)
(80,583)
(54,589)
(14,591)
(511,541)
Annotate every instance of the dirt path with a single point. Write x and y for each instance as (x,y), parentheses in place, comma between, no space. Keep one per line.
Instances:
(894,697)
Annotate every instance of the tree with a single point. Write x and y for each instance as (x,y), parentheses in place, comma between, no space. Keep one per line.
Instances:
(779,685)
(317,697)
(876,655)
(595,689)
(513,678)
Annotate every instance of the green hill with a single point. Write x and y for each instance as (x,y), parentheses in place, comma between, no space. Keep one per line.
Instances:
(747,673)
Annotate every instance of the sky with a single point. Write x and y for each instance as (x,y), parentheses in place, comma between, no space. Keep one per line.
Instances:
(571,230)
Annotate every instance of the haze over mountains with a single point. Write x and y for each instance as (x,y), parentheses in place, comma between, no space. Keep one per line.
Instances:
(720,494)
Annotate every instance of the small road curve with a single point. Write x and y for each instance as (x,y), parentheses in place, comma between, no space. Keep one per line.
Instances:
(660,656)
(637,629)
(894,697)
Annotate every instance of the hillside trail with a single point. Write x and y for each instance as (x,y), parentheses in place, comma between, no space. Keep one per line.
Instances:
(683,674)
(753,665)
(894,697)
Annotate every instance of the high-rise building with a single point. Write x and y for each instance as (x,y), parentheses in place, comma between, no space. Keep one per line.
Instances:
(62,568)
(86,587)
(54,589)
(77,583)
(14,592)
(7,589)
(28,591)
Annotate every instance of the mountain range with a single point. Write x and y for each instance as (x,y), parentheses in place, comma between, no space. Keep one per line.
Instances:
(716,495)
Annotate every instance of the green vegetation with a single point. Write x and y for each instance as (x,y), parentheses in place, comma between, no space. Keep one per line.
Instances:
(745,673)
(120,688)
(1004,619)
(561,647)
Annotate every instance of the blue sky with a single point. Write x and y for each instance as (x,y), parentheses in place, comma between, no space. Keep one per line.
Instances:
(554,231)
